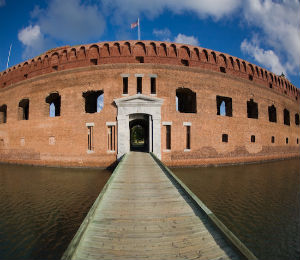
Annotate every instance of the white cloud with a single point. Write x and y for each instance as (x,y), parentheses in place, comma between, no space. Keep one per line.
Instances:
(166,33)
(2,3)
(30,34)
(33,40)
(181,38)
(130,9)
(70,21)
(279,25)
(266,58)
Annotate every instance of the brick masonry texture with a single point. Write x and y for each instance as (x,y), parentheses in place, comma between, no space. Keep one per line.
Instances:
(70,71)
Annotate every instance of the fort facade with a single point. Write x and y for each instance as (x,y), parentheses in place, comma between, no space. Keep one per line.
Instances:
(77,106)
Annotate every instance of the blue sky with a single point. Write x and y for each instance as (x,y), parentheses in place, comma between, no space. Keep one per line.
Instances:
(265,32)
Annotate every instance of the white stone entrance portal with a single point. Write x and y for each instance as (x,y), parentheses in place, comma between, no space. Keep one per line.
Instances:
(139,104)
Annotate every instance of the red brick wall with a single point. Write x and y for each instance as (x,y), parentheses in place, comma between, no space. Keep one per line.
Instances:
(28,141)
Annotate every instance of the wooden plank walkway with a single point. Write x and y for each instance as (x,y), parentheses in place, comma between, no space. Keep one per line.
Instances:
(142,215)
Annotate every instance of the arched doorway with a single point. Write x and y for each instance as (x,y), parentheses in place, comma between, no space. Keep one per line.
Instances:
(139,132)
(145,108)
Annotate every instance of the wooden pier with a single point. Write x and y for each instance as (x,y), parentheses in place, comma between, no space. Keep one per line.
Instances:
(144,212)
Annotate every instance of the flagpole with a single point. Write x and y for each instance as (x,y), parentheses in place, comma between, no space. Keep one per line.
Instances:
(139,31)
(8,56)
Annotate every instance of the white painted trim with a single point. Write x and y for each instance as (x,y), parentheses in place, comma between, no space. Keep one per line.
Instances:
(187,123)
(90,151)
(124,75)
(187,150)
(139,75)
(166,123)
(110,123)
(166,150)
(152,75)
(124,95)
(153,95)
(90,124)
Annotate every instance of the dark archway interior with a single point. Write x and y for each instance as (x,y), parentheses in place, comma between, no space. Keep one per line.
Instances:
(139,135)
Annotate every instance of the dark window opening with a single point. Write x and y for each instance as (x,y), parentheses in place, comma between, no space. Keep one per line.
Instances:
(252,138)
(287,140)
(111,138)
(185,62)
(272,114)
(297,140)
(251,77)
(168,137)
(125,85)
(139,81)
(94,61)
(140,59)
(225,138)
(90,138)
(4,84)
(285,92)
(153,85)
(94,101)
(3,114)
(55,67)
(186,101)
(286,117)
(270,85)
(188,137)
(297,119)
(222,69)
(54,101)
(23,109)
(224,106)
(273,139)
(25,76)
(252,109)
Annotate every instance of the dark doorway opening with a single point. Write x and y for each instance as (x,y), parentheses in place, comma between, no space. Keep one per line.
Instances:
(139,132)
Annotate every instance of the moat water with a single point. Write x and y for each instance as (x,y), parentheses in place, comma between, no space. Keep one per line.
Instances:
(259,203)
(42,208)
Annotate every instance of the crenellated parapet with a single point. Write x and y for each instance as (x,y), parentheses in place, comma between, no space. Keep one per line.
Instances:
(64,58)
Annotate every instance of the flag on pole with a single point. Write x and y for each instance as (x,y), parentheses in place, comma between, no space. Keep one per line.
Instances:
(137,24)
(133,25)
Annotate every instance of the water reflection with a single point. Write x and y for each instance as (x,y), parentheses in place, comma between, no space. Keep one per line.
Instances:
(257,202)
(42,208)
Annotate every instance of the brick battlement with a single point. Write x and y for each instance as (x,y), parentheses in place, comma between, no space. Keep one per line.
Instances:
(66,57)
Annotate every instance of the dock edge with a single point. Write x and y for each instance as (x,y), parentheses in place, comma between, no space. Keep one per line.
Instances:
(239,245)
(71,249)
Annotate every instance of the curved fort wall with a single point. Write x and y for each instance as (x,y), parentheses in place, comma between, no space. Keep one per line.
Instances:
(199,131)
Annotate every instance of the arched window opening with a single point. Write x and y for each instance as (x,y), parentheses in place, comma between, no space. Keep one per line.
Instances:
(286,117)
(252,109)
(297,119)
(238,64)
(54,101)
(214,57)
(3,114)
(224,106)
(23,109)
(272,114)
(186,101)
(222,69)
(94,101)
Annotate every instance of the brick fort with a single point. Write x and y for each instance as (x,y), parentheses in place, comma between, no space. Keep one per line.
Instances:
(82,105)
